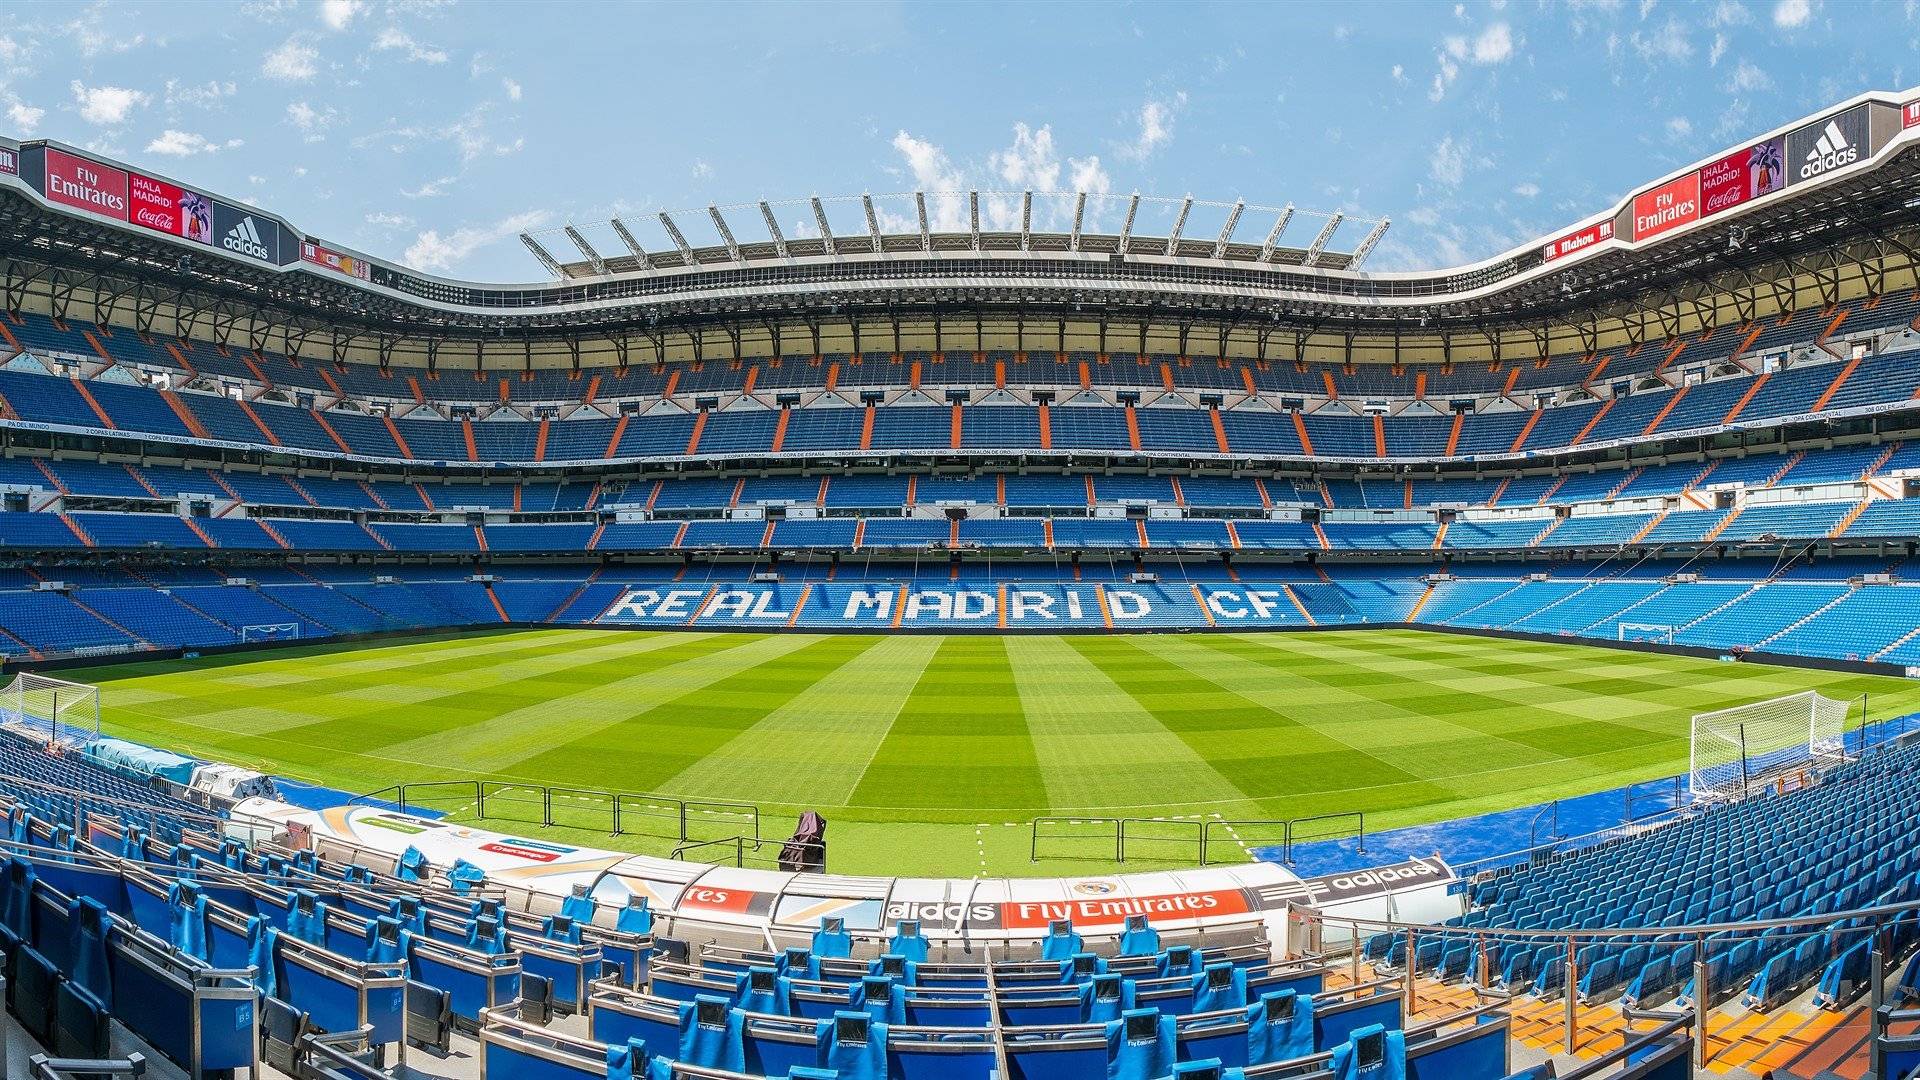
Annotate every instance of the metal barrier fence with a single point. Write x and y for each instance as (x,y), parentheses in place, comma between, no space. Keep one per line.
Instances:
(1451,955)
(738,851)
(1115,839)
(614,813)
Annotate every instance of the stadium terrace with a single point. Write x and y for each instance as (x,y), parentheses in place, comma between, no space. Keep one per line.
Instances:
(1211,657)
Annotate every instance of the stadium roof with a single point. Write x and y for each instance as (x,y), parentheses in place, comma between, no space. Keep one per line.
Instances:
(1815,208)
(965,223)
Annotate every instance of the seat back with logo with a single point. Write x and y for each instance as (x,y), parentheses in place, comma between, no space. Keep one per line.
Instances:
(1141,1045)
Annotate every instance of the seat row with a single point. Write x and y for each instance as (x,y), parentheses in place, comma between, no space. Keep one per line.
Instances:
(1033,367)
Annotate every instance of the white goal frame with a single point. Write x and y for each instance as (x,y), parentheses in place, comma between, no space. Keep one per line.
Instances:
(1662,632)
(247,633)
(1731,750)
(52,708)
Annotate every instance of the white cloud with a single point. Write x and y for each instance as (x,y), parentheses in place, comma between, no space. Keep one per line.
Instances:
(1442,78)
(1491,46)
(1494,45)
(512,88)
(1718,50)
(1748,78)
(1730,13)
(93,36)
(1086,174)
(1399,74)
(470,133)
(1449,163)
(432,189)
(267,10)
(1679,127)
(337,14)
(702,170)
(312,123)
(1792,14)
(294,60)
(1033,163)
(106,105)
(431,251)
(199,96)
(25,117)
(394,38)
(385,220)
(1669,42)
(1156,118)
(1030,164)
(928,163)
(1527,189)
(186,143)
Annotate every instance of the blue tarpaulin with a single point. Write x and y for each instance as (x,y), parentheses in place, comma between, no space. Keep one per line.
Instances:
(127,757)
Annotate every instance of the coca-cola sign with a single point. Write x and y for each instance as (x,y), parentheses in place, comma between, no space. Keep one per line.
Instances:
(169,208)
(86,185)
(1745,174)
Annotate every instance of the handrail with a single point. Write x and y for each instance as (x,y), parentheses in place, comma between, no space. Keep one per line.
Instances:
(1825,920)
(738,843)
(1636,1042)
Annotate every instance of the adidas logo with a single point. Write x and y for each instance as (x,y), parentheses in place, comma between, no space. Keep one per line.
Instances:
(1830,151)
(244,238)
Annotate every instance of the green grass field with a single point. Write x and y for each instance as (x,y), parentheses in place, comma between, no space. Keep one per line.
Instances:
(929,755)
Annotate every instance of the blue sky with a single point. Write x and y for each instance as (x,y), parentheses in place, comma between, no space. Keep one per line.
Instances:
(434,132)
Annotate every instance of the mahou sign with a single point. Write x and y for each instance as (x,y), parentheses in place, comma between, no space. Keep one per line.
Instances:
(87,185)
(1575,242)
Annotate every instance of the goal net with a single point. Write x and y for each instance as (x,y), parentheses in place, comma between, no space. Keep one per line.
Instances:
(1655,632)
(1737,748)
(280,631)
(54,708)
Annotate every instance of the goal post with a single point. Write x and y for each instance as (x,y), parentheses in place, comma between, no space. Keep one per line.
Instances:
(283,631)
(1655,632)
(55,708)
(1733,749)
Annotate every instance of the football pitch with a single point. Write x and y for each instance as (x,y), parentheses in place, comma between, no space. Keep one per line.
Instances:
(930,754)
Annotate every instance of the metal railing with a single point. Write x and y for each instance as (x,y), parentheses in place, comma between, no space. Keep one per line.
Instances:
(614,813)
(738,846)
(1116,839)
(1245,835)
(1312,931)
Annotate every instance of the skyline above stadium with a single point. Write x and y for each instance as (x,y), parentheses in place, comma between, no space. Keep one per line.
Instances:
(304,121)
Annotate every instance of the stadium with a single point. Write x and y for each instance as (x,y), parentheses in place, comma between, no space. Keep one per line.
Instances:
(978,637)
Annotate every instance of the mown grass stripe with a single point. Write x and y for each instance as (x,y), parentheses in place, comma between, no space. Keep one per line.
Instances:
(1133,759)
(608,694)
(814,747)
(961,742)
